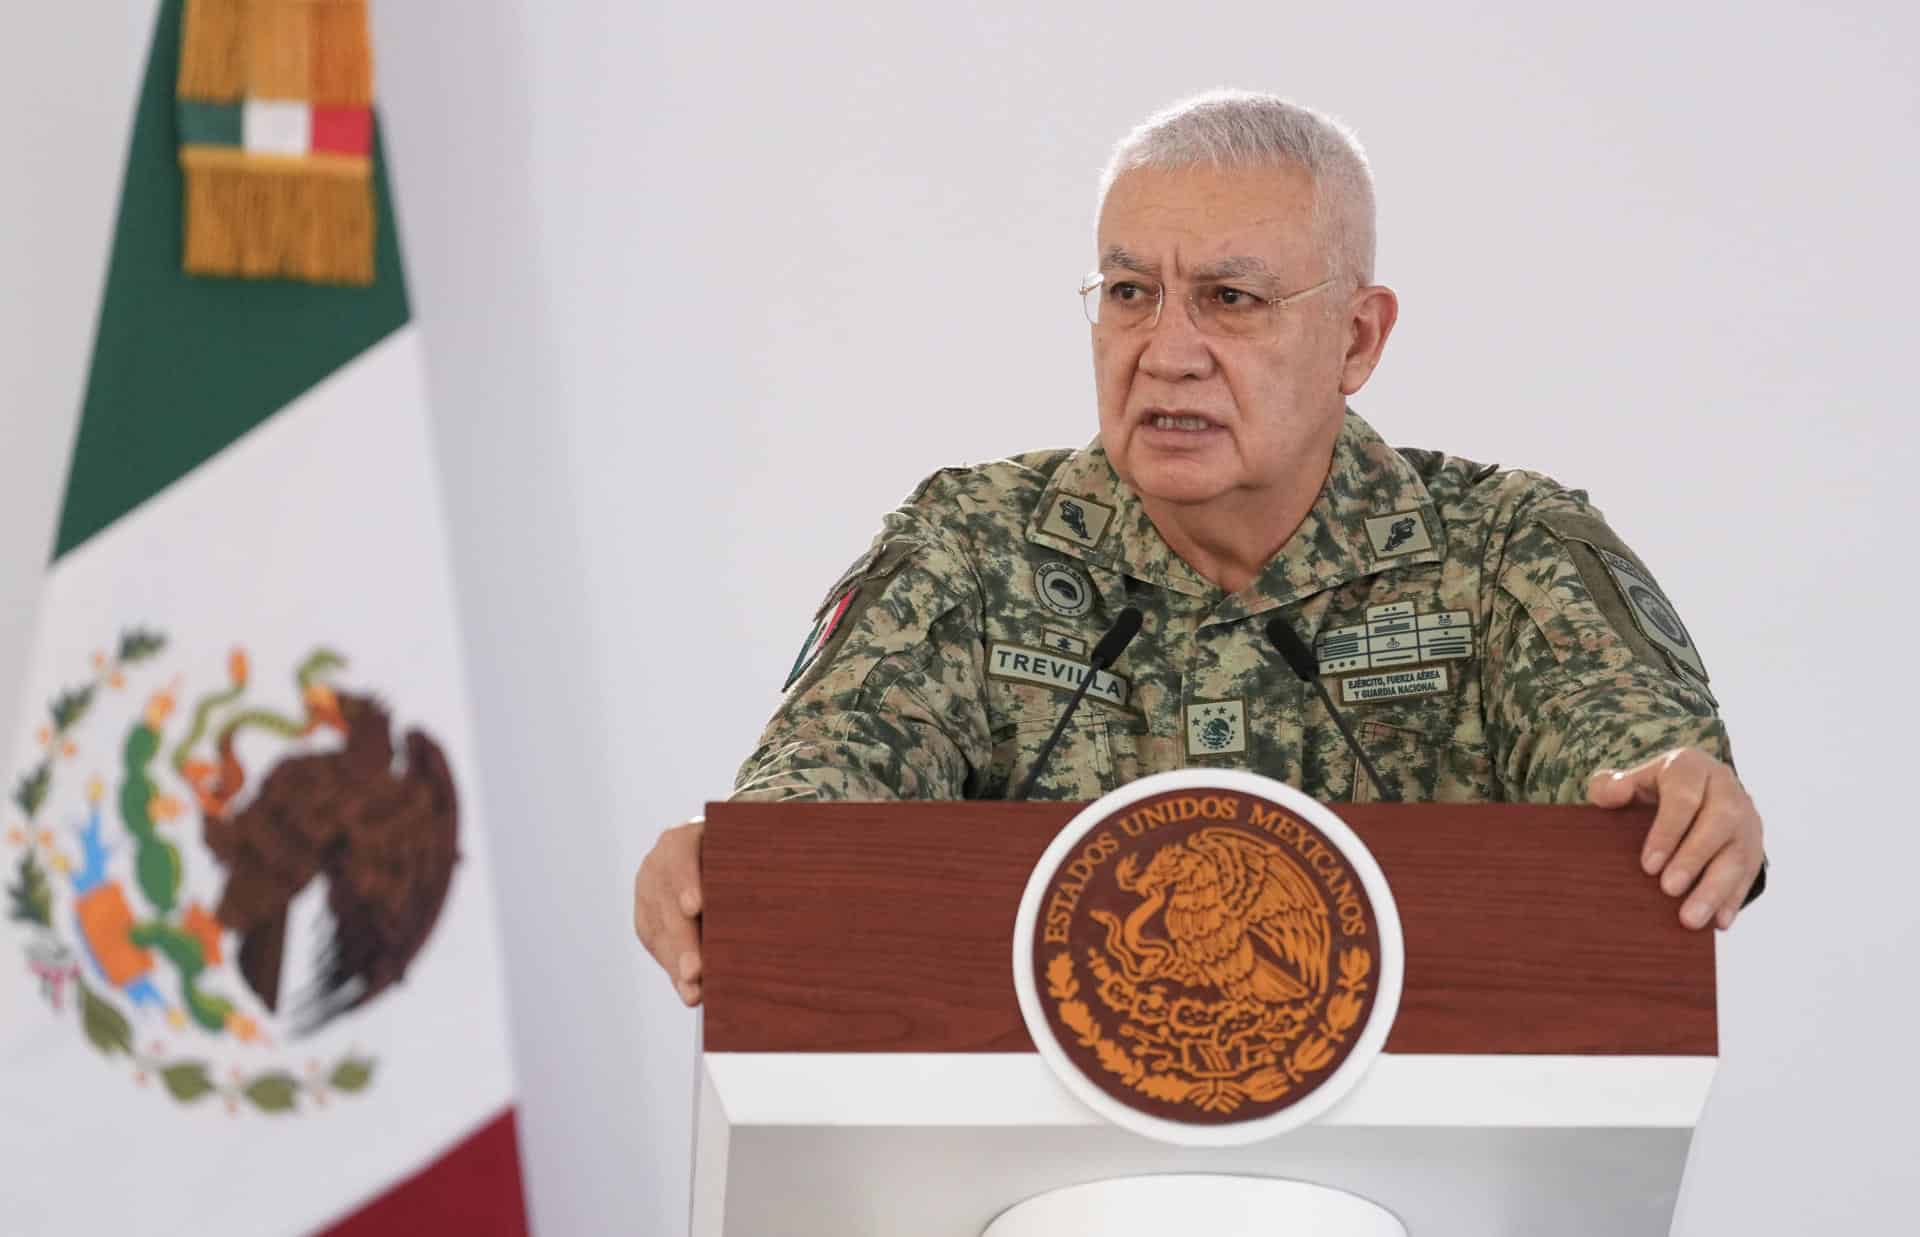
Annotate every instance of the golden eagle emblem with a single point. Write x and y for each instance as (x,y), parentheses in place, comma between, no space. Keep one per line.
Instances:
(1240,917)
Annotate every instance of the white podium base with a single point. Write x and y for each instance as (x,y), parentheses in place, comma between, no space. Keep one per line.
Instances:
(881,1144)
(1220,1206)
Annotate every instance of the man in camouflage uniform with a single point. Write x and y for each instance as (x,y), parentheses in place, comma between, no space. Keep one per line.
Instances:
(1487,634)
(1486,654)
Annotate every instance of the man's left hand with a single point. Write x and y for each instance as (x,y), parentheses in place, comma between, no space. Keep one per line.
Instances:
(1706,832)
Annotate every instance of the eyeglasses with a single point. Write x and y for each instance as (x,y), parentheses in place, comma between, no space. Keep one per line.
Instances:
(1227,311)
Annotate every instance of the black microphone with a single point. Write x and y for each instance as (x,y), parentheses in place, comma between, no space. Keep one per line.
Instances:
(1294,651)
(1105,653)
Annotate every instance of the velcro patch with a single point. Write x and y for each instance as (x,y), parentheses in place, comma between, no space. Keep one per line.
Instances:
(1063,589)
(1029,665)
(1079,520)
(1216,727)
(1396,635)
(853,591)
(1653,612)
(1634,606)
(1064,642)
(823,629)
(1403,532)
(1419,681)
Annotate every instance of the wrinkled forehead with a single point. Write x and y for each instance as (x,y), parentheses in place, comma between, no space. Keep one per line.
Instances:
(1174,221)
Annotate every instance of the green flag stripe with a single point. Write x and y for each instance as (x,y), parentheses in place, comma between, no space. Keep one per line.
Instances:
(183,366)
(210,124)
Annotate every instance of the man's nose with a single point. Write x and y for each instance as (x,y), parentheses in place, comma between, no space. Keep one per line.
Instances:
(1175,347)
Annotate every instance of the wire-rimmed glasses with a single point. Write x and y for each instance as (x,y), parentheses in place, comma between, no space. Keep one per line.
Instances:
(1225,310)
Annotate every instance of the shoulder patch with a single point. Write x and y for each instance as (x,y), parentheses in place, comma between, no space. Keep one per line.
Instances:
(823,628)
(855,588)
(1625,592)
(1654,613)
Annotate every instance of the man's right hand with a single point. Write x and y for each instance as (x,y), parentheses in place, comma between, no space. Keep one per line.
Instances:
(666,906)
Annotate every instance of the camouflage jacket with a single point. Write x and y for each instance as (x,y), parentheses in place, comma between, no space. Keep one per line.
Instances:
(1484,632)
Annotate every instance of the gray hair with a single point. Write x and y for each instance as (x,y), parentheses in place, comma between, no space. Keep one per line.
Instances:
(1240,128)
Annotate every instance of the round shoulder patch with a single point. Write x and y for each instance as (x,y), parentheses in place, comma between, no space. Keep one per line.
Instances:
(1208,957)
(1063,589)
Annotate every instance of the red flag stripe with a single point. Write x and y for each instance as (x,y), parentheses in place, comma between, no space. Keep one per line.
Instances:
(474,1190)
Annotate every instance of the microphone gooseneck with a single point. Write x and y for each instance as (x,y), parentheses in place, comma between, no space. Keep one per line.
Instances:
(1125,627)
(1299,657)
(1293,650)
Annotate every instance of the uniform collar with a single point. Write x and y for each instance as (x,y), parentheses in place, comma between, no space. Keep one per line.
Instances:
(1356,528)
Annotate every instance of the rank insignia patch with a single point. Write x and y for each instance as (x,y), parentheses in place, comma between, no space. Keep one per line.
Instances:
(1396,635)
(1077,519)
(1403,532)
(1063,642)
(1216,727)
(822,632)
(1063,590)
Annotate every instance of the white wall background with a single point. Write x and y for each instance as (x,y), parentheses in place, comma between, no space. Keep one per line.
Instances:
(681,272)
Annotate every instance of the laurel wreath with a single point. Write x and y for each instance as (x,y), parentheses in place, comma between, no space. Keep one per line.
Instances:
(70,706)
(189,1081)
(1219,1095)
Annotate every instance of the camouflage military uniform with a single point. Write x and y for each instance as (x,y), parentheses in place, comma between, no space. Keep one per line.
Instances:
(1486,635)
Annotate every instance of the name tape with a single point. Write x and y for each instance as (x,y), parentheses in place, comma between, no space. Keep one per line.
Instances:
(1030,665)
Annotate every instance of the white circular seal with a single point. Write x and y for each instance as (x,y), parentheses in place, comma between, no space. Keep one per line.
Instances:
(1208,957)
(1063,590)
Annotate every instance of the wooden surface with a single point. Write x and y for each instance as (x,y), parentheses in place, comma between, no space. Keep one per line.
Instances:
(888,927)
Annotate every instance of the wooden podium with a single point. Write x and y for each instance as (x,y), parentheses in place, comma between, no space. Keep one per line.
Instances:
(864,1068)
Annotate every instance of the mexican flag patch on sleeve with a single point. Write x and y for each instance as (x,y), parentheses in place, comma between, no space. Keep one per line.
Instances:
(823,629)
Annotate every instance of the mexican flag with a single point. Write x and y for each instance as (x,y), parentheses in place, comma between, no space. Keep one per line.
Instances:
(250,977)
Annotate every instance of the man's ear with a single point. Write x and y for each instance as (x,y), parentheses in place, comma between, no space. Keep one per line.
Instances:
(1370,318)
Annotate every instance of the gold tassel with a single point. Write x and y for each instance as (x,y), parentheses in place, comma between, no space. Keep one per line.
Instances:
(213,51)
(310,219)
(279,49)
(342,55)
(259,216)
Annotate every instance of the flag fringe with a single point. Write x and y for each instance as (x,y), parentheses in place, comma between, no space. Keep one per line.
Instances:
(213,51)
(280,42)
(342,55)
(293,222)
(277,49)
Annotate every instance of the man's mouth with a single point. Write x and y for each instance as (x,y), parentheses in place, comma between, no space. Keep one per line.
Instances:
(1179,421)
